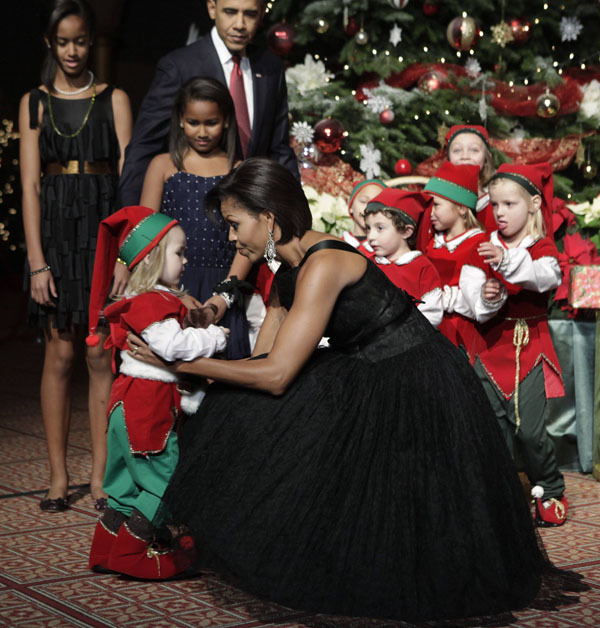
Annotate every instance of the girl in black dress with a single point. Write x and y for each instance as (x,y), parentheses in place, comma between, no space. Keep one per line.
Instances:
(368,478)
(73,135)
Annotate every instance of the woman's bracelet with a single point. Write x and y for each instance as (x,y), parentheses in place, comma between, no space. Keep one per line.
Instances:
(40,270)
(226,296)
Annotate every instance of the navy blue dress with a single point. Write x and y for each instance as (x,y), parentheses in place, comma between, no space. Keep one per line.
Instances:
(209,252)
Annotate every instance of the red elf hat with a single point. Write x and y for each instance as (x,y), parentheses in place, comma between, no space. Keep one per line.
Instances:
(359,186)
(536,179)
(457,129)
(459,184)
(127,235)
(409,205)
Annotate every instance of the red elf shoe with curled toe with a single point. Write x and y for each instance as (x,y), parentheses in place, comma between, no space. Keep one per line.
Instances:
(134,556)
(551,512)
(101,545)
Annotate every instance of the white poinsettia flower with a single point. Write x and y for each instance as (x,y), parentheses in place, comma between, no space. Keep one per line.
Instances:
(308,75)
(590,104)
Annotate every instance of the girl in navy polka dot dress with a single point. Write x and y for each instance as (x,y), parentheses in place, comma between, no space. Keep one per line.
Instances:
(202,150)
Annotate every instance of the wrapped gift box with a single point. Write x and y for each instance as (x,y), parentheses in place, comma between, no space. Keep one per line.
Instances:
(584,287)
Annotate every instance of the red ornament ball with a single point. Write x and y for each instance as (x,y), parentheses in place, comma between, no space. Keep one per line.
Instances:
(329,135)
(462,33)
(281,38)
(431,81)
(520,29)
(387,116)
(402,167)
(430,8)
(352,27)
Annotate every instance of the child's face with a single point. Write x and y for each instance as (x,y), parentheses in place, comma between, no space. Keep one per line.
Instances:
(71,45)
(357,209)
(513,208)
(384,238)
(203,124)
(467,148)
(175,260)
(445,215)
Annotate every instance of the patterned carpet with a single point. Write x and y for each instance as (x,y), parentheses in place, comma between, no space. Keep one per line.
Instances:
(44,580)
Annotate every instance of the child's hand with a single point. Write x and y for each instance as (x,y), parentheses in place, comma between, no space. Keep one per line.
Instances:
(492,290)
(491,253)
(189,302)
(121,276)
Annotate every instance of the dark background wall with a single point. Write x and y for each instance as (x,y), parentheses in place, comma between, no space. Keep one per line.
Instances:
(132,36)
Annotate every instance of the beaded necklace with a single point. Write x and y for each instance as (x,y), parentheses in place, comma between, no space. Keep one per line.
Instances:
(85,119)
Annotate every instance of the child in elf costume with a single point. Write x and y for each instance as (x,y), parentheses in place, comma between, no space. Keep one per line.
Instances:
(362,193)
(391,221)
(145,401)
(517,363)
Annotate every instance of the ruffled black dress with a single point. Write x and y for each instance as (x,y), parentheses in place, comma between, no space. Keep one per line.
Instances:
(378,485)
(72,205)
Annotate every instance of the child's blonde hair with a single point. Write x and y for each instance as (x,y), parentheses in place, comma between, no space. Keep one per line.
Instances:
(146,275)
(535,221)
(470,219)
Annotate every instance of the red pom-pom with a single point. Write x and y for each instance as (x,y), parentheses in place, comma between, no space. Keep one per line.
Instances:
(403,167)
(186,542)
(92,340)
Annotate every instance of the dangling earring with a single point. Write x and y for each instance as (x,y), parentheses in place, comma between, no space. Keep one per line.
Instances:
(270,251)
(181,125)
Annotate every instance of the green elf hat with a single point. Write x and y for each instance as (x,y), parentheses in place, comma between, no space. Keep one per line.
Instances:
(358,187)
(128,236)
(459,184)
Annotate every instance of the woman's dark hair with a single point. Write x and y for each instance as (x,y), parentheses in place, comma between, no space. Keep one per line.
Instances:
(260,184)
(60,10)
(204,89)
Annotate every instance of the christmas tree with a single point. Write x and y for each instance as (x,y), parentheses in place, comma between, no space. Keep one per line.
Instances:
(396,74)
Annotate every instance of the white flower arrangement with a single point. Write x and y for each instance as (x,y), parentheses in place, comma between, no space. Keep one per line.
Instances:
(589,211)
(330,213)
(307,76)
(590,104)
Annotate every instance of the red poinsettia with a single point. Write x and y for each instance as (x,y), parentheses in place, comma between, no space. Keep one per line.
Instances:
(561,213)
(577,251)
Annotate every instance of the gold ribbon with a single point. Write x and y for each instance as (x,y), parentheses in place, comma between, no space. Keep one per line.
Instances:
(520,340)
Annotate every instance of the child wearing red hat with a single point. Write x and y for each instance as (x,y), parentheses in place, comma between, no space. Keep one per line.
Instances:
(517,363)
(362,193)
(457,235)
(145,401)
(391,221)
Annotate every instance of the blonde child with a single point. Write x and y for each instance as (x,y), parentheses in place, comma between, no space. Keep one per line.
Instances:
(145,402)
(202,150)
(517,363)
(391,221)
(362,193)
(457,235)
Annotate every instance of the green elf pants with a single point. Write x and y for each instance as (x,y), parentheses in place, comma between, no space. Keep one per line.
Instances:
(535,445)
(135,480)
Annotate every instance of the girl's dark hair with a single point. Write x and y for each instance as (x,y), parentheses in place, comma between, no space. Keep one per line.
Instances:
(260,184)
(59,11)
(205,89)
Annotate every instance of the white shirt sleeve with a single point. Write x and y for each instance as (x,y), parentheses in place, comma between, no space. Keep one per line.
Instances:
(540,275)
(171,342)
(432,307)
(471,282)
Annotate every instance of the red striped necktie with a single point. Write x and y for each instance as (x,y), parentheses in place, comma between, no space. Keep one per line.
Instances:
(238,94)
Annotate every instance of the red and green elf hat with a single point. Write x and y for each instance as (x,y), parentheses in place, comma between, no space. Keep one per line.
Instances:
(457,129)
(127,235)
(459,184)
(537,179)
(358,187)
(409,205)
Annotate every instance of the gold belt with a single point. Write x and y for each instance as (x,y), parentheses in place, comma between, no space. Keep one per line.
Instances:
(73,167)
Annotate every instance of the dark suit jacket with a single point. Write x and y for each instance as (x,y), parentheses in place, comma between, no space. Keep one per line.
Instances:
(270,128)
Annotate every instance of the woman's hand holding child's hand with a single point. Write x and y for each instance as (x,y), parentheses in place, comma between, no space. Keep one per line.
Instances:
(491,253)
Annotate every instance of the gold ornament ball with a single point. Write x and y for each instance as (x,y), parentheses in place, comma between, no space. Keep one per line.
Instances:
(548,105)
(361,38)
(590,171)
(462,33)
(321,26)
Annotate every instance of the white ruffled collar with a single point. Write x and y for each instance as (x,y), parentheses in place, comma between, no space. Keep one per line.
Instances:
(407,258)
(525,243)
(439,239)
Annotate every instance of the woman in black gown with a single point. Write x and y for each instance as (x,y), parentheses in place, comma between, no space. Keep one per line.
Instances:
(369,478)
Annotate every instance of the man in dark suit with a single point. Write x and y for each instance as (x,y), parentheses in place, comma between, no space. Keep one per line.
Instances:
(214,55)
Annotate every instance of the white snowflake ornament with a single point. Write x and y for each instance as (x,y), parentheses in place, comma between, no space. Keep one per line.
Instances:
(395,35)
(473,68)
(302,132)
(369,163)
(570,27)
(377,104)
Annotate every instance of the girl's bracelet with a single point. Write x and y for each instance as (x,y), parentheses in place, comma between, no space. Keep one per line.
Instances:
(40,270)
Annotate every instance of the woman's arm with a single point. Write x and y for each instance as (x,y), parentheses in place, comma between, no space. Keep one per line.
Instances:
(123,121)
(270,326)
(324,276)
(240,267)
(42,284)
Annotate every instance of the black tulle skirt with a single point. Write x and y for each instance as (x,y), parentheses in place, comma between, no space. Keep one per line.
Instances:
(370,488)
